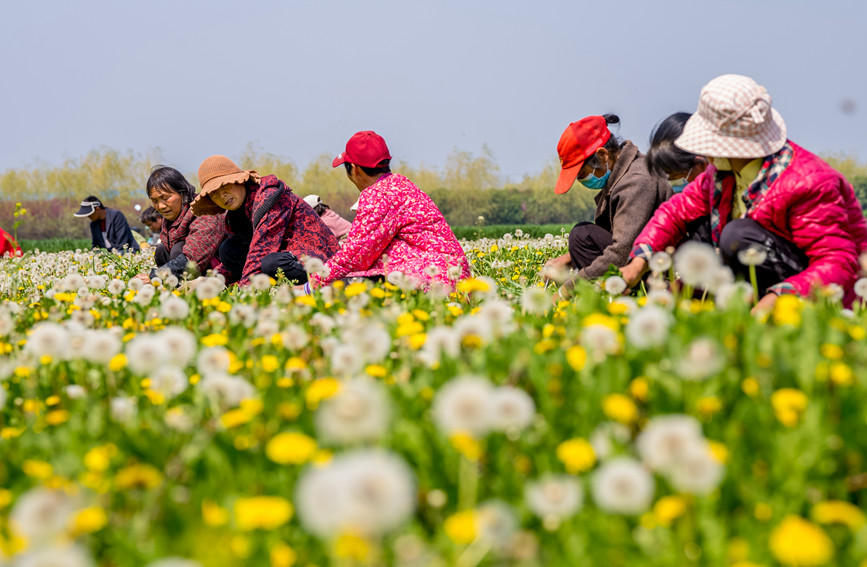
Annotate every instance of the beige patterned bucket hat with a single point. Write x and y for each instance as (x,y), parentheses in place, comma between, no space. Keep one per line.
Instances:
(734,120)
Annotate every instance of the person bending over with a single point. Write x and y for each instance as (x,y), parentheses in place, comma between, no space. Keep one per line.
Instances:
(628,194)
(108,227)
(760,192)
(398,228)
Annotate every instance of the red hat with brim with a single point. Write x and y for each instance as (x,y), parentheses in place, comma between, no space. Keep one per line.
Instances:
(366,149)
(579,141)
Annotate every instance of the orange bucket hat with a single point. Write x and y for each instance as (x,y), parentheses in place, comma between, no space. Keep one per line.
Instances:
(215,172)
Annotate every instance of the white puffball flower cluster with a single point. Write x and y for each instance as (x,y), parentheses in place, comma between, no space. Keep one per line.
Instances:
(648,327)
(696,264)
(369,492)
(554,498)
(474,406)
(623,486)
(703,358)
(674,446)
(359,412)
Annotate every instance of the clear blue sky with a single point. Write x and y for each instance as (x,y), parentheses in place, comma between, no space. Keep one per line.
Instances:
(196,78)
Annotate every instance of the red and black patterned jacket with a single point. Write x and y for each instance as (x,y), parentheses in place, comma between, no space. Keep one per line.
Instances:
(280,221)
(201,236)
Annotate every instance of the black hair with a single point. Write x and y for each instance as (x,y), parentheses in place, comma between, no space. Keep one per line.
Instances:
(381,167)
(94,198)
(150,215)
(320,209)
(170,179)
(612,145)
(664,157)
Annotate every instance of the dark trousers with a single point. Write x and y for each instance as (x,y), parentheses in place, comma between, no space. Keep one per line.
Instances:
(233,255)
(783,260)
(292,268)
(587,241)
(162,255)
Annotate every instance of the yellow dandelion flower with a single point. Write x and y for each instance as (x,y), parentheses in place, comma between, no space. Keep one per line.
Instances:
(262,512)
(841,374)
(789,404)
(461,527)
(620,408)
(709,405)
(57,417)
(88,520)
(466,446)
(576,356)
(750,387)
(600,319)
(39,470)
(290,448)
(719,451)
(215,339)
(117,362)
(800,543)
(787,311)
(282,555)
(376,370)
(138,476)
(354,289)
(98,459)
(321,389)
(270,363)
(417,341)
(838,512)
(640,389)
(667,509)
(577,455)
(213,514)
(351,546)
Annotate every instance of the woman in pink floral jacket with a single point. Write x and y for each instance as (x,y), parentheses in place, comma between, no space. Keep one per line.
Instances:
(397,228)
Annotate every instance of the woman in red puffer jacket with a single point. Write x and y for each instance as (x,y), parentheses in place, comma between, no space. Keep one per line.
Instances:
(762,192)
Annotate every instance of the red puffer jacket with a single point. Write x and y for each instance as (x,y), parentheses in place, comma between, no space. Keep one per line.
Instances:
(810,204)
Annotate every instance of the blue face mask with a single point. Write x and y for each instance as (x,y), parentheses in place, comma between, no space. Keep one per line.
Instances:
(593,182)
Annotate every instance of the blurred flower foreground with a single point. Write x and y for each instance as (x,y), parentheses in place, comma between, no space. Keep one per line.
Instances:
(374,424)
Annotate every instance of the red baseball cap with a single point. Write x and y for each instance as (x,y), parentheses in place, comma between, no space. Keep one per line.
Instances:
(366,149)
(580,140)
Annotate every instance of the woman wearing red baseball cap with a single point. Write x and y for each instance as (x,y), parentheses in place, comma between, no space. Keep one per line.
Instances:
(628,194)
(397,228)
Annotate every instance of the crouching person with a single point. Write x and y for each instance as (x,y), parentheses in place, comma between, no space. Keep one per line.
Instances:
(184,237)
(761,192)
(398,228)
(627,196)
(270,229)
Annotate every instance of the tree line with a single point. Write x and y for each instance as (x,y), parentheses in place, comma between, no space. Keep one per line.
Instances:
(467,187)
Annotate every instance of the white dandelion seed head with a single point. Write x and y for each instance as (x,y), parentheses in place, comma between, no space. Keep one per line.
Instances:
(123,409)
(696,263)
(260,282)
(72,282)
(556,497)
(116,287)
(210,288)
(346,359)
(75,392)
(313,265)
(666,439)
(135,284)
(60,556)
(660,262)
(174,308)
(648,327)
(752,256)
(736,293)
(696,471)
(600,341)
(213,360)
(606,435)
(168,381)
(145,295)
(614,285)
(370,492)
(144,353)
(49,339)
(496,524)
(226,391)
(100,346)
(701,360)
(860,288)
(360,411)
(511,409)
(662,298)
(622,486)
(536,301)
(463,405)
(41,514)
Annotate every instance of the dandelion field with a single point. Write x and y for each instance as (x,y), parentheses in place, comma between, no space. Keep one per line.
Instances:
(373,424)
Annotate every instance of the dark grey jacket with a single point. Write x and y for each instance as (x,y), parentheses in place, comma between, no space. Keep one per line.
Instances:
(117,230)
(624,206)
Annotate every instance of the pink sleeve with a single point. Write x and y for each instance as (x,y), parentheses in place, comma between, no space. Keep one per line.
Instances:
(375,226)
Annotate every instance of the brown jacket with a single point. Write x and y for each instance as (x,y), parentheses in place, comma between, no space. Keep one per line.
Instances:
(624,206)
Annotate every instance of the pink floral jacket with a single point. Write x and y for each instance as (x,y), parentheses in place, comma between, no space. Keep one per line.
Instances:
(397,228)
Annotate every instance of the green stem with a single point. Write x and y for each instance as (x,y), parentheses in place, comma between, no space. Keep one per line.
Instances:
(755,283)
(468,484)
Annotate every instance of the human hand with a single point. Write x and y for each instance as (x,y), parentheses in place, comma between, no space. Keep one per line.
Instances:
(190,285)
(143,277)
(633,271)
(765,304)
(556,269)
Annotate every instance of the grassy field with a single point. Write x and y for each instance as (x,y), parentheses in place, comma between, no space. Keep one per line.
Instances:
(465,232)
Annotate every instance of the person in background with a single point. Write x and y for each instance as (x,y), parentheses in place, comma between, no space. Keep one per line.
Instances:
(270,228)
(108,227)
(398,228)
(337,224)
(8,245)
(761,192)
(183,237)
(669,161)
(628,194)
(153,221)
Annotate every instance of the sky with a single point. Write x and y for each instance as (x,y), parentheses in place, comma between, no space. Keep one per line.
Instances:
(191,78)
